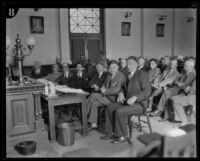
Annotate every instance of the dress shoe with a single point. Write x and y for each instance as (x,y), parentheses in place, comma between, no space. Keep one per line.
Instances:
(149,110)
(163,120)
(92,128)
(156,113)
(175,121)
(107,137)
(119,140)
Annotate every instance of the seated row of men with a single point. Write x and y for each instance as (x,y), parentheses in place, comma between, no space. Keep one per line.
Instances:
(130,89)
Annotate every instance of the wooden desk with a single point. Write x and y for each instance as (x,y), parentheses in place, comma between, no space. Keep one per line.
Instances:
(64,99)
(23,115)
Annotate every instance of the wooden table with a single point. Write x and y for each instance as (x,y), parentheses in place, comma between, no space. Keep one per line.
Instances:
(64,99)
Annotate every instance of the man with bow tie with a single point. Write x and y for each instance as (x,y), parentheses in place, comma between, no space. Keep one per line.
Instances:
(132,100)
(108,93)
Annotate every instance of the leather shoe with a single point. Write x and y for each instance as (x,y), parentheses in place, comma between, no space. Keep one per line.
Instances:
(163,120)
(156,113)
(175,121)
(91,128)
(119,140)
(107,137)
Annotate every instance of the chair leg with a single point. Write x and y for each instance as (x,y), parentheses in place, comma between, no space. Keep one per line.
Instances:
(149,124)
(130,127)
(140,127)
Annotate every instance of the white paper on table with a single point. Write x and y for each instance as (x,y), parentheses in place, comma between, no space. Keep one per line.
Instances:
(66,89)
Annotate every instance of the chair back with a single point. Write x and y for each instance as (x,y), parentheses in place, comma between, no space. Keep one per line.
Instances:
(180,146)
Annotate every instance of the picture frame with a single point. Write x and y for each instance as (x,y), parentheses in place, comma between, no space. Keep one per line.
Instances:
(126,29)
(37,24)
(160,30)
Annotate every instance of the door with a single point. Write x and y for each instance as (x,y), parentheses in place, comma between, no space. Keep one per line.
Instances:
(86,32)
(93,47)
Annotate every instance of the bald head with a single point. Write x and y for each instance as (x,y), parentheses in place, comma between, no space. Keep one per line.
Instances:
(189,65)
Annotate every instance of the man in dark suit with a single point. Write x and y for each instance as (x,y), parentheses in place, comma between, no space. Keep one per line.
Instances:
(142,64)
(108,93)
(66,77)
(80,78)
(131,101)
(98,78)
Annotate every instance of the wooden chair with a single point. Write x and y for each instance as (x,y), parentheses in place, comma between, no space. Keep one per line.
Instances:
(181,146)
(101,118)
(130,122)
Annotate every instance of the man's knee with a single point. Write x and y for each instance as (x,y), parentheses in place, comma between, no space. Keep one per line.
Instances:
(120,112)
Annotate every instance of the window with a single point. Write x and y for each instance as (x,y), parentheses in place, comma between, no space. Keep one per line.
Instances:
(85,20)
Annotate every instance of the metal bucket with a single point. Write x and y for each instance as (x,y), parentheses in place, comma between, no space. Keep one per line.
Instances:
(66,133)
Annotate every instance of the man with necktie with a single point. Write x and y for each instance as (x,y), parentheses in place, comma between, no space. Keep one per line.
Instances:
(66,77)
(108,93)
(169,76)
(132,100)
(182,86)
(98,78)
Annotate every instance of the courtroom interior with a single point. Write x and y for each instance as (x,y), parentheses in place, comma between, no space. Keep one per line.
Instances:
(101,82)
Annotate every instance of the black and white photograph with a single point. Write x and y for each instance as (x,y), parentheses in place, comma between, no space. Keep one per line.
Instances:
(83,82)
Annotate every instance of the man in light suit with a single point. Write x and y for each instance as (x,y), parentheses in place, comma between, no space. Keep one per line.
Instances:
(185,86)
(168,77)
(184,99)
(133,100)
(108,93)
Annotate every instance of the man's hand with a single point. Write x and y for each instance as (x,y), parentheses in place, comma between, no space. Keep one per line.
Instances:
(96,87)
(131,100)
(120,98)
(180,84)
(187,89)
(103,90)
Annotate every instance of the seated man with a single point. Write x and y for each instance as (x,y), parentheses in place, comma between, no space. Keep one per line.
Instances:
(184,84)
(142,64)
(53,77)
(113,84)
(154,72)
(167,78)
(80,78)
(164,63)
(188,97)
(66,77)
(131,101)
(98,78)
(37,71)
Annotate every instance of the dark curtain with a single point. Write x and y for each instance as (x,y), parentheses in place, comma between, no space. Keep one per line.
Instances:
(77,50)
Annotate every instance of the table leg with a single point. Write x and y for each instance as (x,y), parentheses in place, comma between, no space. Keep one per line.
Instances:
(84,116)
(52,124)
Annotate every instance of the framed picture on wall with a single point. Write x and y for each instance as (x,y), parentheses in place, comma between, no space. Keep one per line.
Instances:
(126,29)
(160,30)
(37,24)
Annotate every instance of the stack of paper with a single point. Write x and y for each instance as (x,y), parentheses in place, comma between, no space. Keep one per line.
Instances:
(66,89)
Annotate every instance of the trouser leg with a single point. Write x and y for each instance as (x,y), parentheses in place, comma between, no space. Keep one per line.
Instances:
(109,125)
(121,115)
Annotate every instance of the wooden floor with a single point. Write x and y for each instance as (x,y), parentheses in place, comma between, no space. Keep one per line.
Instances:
(101,148)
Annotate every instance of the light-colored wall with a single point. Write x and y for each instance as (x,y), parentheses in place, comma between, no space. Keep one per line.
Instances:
(47,46)
(157,46)
(185,33)
(122,46)
(55,41)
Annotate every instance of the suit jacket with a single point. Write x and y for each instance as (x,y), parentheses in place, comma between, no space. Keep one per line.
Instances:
(98,81)
(62,80)
(166,78)
(80,83)
(154,74)
(139,86)
(125,71)
(114,86)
